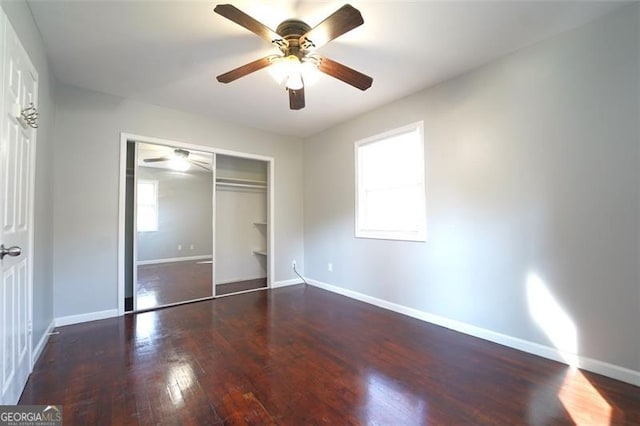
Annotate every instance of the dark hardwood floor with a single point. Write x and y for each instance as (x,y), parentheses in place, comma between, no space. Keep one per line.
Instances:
(300,355)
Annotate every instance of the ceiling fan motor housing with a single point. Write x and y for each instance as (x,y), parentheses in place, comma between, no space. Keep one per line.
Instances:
(292,30)
(180,153)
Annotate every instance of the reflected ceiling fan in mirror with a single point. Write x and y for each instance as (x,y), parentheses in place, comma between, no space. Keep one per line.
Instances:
(298,64)
(179,161)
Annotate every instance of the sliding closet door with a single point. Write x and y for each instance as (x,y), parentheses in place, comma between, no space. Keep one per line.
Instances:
(174,226)
(241,254)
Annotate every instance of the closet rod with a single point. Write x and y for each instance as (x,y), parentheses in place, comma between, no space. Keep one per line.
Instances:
(241,185)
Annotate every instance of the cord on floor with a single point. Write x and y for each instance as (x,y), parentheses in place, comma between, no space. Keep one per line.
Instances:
(301,277)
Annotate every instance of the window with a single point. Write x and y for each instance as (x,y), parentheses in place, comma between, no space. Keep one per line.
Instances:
(390,189)
(147,205)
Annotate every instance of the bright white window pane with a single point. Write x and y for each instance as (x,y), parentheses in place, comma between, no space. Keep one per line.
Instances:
(392,209)
(390,185)
(147,220)
(147,206)
(146,193)
(391,162)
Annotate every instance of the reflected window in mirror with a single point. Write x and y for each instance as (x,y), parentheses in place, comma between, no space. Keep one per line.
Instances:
(147,208)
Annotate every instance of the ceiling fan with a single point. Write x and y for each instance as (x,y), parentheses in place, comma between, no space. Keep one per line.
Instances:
(179,161)
(297,63)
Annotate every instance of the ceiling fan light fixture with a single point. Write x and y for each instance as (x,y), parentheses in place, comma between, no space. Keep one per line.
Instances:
(310,72)
(179,164)
(294,82)
(293,73)
(278,69)
(286,69)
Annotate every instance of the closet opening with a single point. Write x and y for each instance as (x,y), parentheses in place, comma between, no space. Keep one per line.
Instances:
(195,223)
(241,224)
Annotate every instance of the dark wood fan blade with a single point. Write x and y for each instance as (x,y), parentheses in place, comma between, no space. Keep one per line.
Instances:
(296,98)
(341,21)
(245,69)
(197,163)
(234,14)
(344,73)
(155,160)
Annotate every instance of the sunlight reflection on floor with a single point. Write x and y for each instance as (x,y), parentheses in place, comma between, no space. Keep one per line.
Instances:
(180,378)
(146,300)
(145,324)
(582,401)
(386,397)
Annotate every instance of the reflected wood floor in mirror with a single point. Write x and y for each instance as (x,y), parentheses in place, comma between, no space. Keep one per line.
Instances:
(165,283)
(173,282)
(300,355)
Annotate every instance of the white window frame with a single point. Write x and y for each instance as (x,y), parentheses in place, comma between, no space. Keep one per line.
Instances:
(155,197)
(420,234)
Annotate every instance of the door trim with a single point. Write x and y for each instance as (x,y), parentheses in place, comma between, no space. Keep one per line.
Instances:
(124,137)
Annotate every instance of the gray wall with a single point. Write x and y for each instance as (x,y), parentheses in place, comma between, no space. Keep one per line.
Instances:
(86,185)
(532,167)
(20,17)
(185,215)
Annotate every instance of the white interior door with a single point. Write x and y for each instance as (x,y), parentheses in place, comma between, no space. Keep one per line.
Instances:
(19,89)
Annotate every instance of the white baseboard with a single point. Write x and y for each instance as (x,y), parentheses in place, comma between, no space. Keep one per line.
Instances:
(286,283)
(89,316)
(589,364)
(174,259)
(37,351)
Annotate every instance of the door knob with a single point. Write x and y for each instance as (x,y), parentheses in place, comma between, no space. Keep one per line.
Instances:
(11,251)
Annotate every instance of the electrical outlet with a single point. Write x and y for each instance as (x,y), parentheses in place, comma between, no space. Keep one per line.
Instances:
(330,267)
(293,264)
(179,247)
(192,246)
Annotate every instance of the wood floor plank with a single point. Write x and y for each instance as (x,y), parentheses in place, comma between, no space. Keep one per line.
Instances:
(300,355)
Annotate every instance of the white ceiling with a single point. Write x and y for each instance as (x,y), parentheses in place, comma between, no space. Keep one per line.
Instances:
(168,52)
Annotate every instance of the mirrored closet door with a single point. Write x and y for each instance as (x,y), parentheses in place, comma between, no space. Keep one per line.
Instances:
(173,236)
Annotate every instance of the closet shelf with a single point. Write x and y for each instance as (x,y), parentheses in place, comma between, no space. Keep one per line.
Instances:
(260,252)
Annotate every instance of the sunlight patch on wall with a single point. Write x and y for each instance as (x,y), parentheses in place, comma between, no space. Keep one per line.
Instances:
(552,318)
